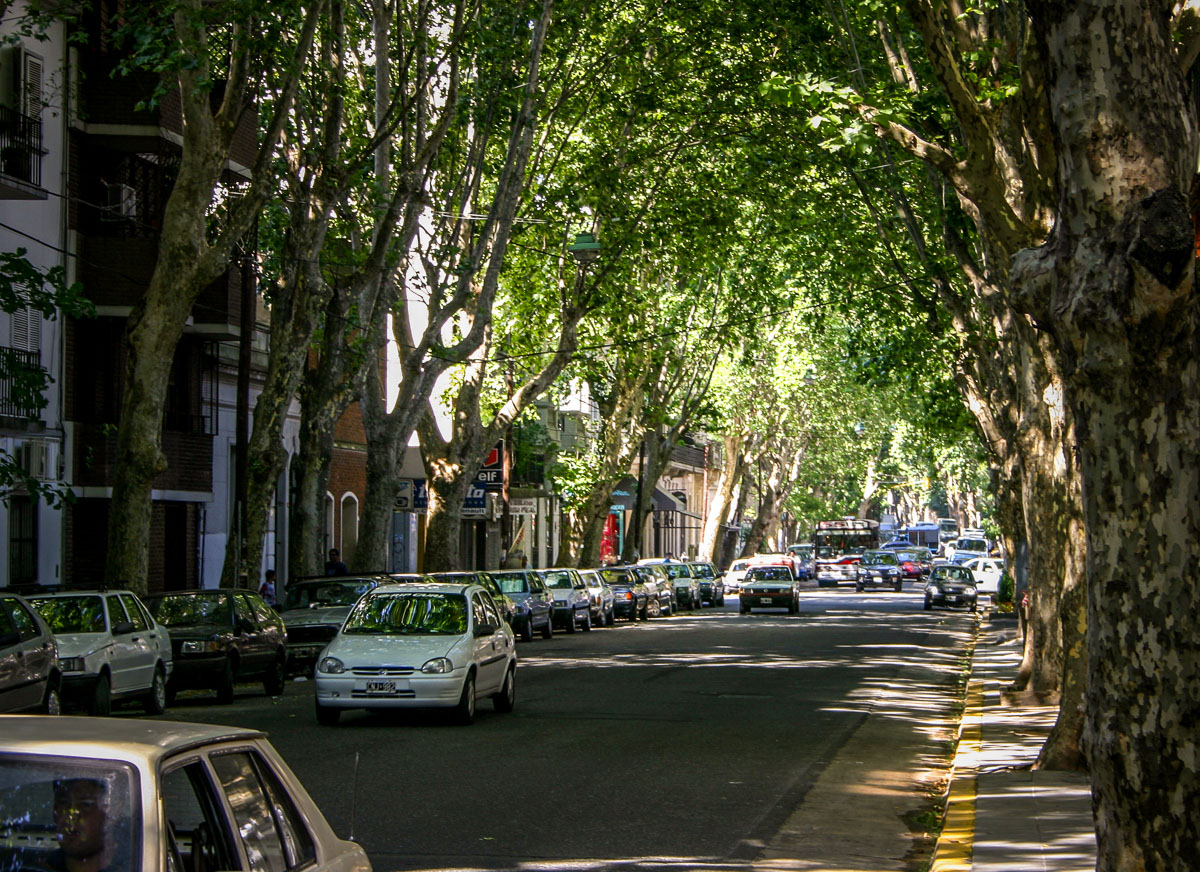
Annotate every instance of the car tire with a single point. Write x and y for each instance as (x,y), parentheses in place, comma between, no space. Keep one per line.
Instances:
(899,586)
(527,630)
(570,627)
(587,622)
(100,705)
(327,716)
(928,603)
(506,699)
(52,700)
(975,606)
(464,712)
(610,617)
(721,601)
(653,610)
(276,680)
(548,630)
(155,701)
(224,686)
(745,610)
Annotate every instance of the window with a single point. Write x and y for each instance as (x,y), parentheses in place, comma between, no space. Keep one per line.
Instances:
(198,838)
(26,334)
(22,620)
(242,610)
(22,540)
(131,609)
(271,827)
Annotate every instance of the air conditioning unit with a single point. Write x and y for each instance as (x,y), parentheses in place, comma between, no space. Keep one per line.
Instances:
(122,203)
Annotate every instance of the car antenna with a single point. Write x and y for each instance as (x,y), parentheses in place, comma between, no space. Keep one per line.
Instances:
(353,795)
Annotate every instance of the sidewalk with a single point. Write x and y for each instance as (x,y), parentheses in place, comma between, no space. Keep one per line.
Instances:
(1002,816)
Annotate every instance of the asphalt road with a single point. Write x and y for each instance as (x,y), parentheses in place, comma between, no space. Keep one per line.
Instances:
(686,742)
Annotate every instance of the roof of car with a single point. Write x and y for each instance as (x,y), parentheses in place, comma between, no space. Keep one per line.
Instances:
(118,738)
(425,587)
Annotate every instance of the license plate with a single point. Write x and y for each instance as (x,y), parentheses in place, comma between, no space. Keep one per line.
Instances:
(952,598)
(380,687)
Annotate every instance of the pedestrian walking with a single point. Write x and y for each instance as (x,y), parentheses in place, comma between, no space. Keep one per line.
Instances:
(267,589)
(334,565)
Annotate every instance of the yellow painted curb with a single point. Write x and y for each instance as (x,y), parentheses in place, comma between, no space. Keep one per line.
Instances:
(955,845)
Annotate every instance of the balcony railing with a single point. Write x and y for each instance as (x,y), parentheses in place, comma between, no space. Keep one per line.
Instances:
(21,146)
(16,400)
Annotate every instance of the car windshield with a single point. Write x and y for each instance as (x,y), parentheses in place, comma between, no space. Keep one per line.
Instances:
(972,545)
(703,570)
(318,594)
(953,573)
(72,614)
(559,579)
(770,573)
(55,808)
(512,582)
(910,556)
(617,576)
(677,570)
(879,558)
(191,610)
(408,614)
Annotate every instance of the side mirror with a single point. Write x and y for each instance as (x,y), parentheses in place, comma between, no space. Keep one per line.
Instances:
(244,625)
(122,627)
(485,629)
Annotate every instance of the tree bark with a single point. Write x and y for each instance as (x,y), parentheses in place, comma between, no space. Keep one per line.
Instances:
(733,462)
(1115,286)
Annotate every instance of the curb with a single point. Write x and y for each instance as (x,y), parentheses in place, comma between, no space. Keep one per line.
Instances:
(955,845)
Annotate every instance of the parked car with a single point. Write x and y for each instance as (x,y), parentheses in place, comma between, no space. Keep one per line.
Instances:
(686,584)
(966,547)
(987,572)
(659,588)
(30,679)
(109,647)
(313,610)
(770,587)
(220,638)
(157,796)
(572,605)
(951,585)
(508,609)
(712,586)
(802,556)
(879,568)
(534,607)
(601,597)
(631,599)
(419,646)
(915,563)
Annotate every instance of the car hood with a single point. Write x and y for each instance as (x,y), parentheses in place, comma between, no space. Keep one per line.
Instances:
(81,644)
(390,650)
(313,617)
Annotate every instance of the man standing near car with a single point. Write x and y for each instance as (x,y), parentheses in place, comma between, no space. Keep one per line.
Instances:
(334,565)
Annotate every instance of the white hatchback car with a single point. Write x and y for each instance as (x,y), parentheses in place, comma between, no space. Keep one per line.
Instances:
(419,646)
(987,572)
(156,796)
(109,647)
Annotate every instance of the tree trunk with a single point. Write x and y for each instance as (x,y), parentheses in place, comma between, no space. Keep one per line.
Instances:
(1115,285)
(723,500)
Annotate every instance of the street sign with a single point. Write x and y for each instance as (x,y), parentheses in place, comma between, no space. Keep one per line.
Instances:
(411,496)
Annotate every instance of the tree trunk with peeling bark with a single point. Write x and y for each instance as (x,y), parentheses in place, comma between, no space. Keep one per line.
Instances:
(723,500)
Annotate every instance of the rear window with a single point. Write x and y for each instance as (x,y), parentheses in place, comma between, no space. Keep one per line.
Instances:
(512,583)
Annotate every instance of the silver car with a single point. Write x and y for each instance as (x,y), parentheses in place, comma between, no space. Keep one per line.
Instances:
(157,796)
(29,675)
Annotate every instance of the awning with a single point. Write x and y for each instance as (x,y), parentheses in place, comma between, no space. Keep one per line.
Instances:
(665,502)
(624,496)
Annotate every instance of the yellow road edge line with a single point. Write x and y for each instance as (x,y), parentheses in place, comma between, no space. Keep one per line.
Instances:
(956,843)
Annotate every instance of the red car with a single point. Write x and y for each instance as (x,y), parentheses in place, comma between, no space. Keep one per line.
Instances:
(915,563)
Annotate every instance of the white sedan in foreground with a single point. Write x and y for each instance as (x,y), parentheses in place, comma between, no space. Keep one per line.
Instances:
(419,646)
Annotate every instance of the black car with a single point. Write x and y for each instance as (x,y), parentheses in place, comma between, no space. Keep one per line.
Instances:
(631,598)
(30,679)
(879,567)
(533,603)
(313,611)
(951,585)
(220,638)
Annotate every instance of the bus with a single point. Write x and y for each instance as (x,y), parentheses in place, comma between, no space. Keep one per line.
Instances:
(838,546)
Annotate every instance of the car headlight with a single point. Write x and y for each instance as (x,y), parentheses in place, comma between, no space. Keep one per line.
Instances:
(331,666)
(73,664)
(438,666)
(199,646)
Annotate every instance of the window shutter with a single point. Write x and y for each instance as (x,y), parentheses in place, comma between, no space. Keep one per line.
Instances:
(31,82)
(27,330)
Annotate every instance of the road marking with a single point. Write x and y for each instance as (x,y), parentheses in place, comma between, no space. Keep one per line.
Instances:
(955,846)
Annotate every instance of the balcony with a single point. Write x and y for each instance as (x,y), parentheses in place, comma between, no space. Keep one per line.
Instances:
(18,396)
(20,156)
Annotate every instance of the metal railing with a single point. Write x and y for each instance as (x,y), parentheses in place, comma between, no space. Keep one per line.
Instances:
(13,362)
(21,146)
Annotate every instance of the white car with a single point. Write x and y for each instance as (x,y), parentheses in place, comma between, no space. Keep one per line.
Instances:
(735,575)
(109,647)
(987,572)
(419,646)
(156,796)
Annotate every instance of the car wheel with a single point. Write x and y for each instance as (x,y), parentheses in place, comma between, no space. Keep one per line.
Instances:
(100,705)
(587,622)
(795,609)
(610,617)
(858,586)
(548,630)
(721,601)
(326,716)
(570,627)
(745,610)
(225,684)
(464,712)
(52,701)
(899,586)
(506,699)
(155,702)
(276,679)
(653,610)
(928,603)
(975,606)
(527,630)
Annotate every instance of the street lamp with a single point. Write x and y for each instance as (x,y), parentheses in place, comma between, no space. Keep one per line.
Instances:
(585,249)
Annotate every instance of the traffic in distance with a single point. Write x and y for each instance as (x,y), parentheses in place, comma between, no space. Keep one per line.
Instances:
(382,641)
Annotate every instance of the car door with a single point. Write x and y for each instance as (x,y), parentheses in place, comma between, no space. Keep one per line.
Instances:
(540,600)
(124,653)
(490,652)
(143,643)
(15,691)
(253,646)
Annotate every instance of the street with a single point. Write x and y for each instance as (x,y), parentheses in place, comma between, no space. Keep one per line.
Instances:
(691,741)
